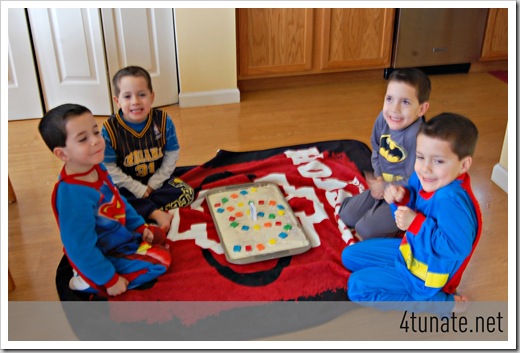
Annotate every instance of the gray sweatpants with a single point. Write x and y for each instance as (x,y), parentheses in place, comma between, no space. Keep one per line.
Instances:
(371,218)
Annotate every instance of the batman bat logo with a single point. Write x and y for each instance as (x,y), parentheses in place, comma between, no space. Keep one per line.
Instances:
(390,150)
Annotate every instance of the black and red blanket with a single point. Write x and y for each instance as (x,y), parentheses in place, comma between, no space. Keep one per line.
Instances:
(314,179)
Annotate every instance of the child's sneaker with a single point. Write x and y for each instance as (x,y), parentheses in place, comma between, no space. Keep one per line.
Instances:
(78,283)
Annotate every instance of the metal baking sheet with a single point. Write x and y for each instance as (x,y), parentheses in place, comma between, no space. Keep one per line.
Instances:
(255,223)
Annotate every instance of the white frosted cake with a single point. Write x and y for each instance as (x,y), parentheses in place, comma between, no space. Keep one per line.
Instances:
(255,223)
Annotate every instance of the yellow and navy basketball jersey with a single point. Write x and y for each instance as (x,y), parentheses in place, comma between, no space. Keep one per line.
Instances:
(139,154)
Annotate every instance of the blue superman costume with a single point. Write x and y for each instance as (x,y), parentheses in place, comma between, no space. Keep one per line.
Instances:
(428,262)
(102,234)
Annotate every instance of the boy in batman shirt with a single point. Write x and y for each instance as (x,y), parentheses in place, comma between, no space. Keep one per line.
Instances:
(393,143)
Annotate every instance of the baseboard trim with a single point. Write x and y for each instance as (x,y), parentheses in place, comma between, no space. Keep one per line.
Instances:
(205,98)
(499,176)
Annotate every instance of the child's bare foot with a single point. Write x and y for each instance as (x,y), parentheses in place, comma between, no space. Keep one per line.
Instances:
(163,219)
(461,303)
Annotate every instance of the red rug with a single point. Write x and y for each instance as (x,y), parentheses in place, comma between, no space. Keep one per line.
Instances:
(314,179)
(501,75)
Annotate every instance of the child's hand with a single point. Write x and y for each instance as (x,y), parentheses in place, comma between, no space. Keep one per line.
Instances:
(404,217)
(148,236)
(394,194)
(376,185)
(118,288)
(154,235)
(148,191)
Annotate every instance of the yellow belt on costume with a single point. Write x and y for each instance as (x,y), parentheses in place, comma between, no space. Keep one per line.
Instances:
(420,269)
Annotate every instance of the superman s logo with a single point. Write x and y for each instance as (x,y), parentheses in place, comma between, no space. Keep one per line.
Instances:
(390,150)
(114,209)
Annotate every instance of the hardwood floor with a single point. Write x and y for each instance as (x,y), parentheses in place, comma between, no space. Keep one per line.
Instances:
(338,109)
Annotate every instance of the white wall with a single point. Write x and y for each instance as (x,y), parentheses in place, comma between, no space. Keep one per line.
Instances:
(499,175)
(207,63)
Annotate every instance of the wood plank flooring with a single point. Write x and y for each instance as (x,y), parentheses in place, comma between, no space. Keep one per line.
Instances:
(338,109)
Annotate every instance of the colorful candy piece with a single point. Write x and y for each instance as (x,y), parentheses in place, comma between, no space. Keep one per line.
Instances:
(234,196)
(220,210)
(260,247)
(237,248)
(244,227)
(231,218)
(239,214)
(217,204)
(248,248)
(272,216)
(278,223)
(287,227)
(272,203)
(224,200)
(280,207)
(272,241)
(230,208)
(281,212)
(261,202)
(283,235)
(243,192)
(257,227)
(253,189)
(234,224)
(261,214)
(240,204)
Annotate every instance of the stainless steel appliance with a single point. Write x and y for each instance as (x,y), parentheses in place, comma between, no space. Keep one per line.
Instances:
(433,37)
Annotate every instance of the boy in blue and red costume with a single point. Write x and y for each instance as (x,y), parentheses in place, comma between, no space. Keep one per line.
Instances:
(109,245)
(442,220)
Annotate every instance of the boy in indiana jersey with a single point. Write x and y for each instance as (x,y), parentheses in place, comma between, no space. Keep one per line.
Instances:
(142,149)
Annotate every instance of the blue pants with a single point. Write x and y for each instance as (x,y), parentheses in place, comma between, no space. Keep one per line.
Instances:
(146,270)
(374,278)
(138,269)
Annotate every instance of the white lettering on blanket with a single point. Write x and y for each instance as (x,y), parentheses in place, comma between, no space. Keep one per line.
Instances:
(311,164)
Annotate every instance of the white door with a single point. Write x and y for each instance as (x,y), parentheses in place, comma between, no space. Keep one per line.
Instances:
(143,37)
(23,93)
(70,53)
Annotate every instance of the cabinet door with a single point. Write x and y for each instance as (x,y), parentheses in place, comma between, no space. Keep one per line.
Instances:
(143,37)
(494,46)
(71,57)
(357,38)
(274,41)
(23,93)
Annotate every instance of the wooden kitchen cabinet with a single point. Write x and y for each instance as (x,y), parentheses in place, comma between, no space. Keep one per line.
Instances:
(274,41)
(494,46)
(356,38)
(285,42)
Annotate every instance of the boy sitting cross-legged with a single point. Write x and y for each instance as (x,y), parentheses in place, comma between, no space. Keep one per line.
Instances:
(109,246)
(441,218)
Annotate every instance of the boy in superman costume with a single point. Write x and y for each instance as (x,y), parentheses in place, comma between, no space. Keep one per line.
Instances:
(109,245)
(441,218)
